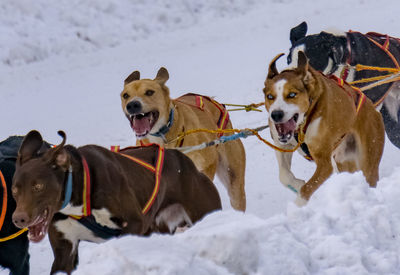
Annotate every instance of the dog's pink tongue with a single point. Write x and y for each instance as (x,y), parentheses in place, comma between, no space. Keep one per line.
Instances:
(286,128)
(37,232)
(141,126)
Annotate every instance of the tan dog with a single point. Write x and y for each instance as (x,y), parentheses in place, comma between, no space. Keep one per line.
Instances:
(304,102)
(157,118)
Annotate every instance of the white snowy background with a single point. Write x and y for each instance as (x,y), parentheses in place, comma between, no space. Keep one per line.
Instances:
(62,65)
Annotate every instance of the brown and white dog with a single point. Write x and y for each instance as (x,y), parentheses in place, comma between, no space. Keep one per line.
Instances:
(302,101)
(156,118)
(90,193)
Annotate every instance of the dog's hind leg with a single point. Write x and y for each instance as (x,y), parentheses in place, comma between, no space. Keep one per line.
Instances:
(231,171)
(392,126)
(172,217)
(372,148)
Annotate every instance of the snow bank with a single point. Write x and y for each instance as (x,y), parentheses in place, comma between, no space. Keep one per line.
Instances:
(35,30)
(346,228)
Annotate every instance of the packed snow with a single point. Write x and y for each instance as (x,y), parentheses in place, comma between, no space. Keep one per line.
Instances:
(62,66)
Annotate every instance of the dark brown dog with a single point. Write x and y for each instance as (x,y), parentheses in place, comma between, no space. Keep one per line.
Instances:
(120,190)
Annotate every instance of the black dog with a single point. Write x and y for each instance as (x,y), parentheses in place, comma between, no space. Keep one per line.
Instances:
(14,252)
(336,54)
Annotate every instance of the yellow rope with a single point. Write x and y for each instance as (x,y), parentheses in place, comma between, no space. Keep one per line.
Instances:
(234,131)
(247,108)
(360,67)
(370,79)
(13,235)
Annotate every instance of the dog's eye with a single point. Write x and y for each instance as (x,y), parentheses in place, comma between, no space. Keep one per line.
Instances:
(125,96)
(149,92)
(38,187)
(270,97)
(291,95)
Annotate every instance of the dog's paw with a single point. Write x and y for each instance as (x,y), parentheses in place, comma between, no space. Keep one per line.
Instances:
(296,185)
(181,229)
(300,201)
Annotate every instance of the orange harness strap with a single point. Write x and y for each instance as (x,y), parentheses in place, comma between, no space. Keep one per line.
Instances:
(157,170)
(360,97)
(4,205)
(384,47)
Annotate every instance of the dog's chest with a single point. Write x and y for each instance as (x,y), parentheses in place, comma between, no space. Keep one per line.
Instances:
(73,230)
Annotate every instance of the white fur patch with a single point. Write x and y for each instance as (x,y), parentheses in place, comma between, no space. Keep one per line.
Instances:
(295,54)
(280,104)
(73,231)
(172,216)
(102,215)
(72,210)
(392,102)
(312,130)
(328,68)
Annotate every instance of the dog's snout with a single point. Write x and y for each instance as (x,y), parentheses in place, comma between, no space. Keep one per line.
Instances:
(20,219)
(134,107)
(277,115)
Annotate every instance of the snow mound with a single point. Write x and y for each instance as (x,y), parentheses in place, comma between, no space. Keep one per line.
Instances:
(346,228)
(36,30)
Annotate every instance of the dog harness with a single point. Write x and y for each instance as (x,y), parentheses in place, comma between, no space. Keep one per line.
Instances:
(382,41)
(4,210)
(157,169)
(357,96)
(199,103)
(88,220)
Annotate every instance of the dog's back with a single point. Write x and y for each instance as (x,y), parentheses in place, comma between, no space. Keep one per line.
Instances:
(181,182)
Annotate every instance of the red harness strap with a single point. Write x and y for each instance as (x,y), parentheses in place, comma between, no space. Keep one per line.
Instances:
(86,208)
(199,100)
(157,170)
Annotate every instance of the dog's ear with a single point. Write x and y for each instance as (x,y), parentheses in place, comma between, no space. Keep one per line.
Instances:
(272,71)
(303,68)
(162,76)
(132,77)
(59,155)
(298,32)
(302,61)
(30,147)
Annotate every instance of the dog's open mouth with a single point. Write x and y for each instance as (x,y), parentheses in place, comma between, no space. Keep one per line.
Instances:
(143,123)
(286,129)
(39,227)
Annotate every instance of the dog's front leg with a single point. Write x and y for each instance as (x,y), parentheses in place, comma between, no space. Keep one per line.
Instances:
(323,171)
(65,252)
(285,174)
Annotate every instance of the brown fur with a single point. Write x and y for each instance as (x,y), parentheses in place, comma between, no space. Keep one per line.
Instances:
(119,190)
(227,160)
(343,138)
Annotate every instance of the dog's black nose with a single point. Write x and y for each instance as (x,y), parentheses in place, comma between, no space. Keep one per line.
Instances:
(20,219)
(134,107)
(277,115)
